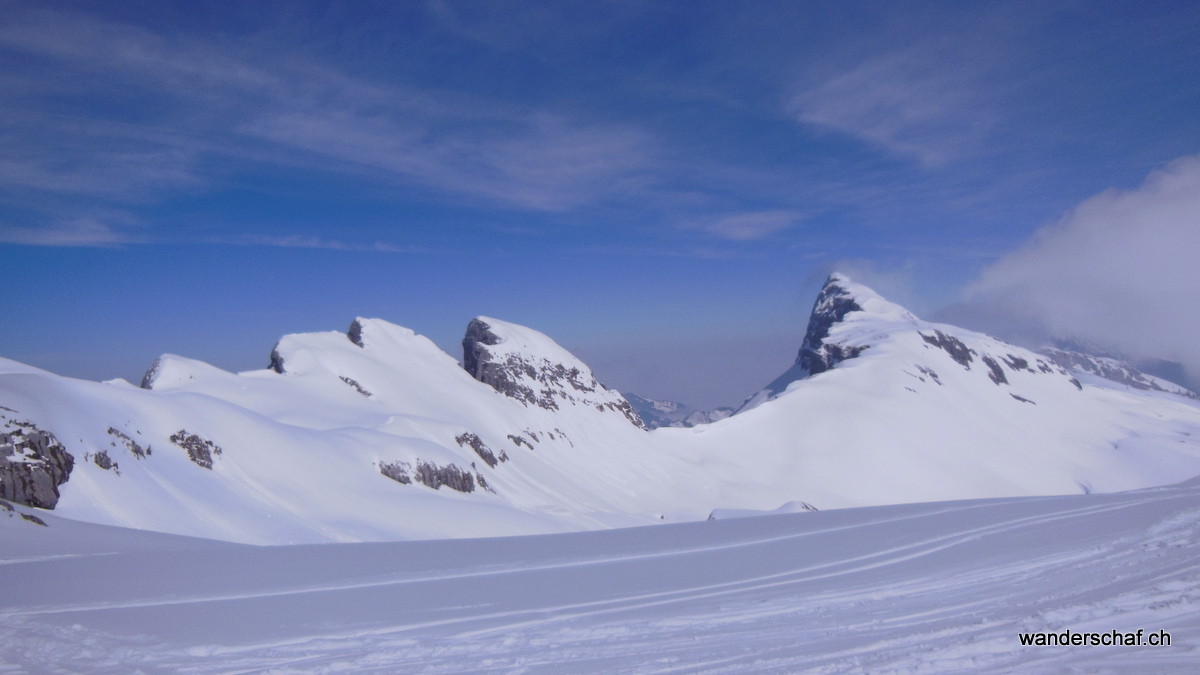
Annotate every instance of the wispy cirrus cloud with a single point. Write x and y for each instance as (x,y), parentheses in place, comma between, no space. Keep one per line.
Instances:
(314,242)
(749,225)
(79,233)
(916,102)
(539,161)
(205,103)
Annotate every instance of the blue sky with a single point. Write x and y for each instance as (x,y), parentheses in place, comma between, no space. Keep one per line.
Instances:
(660,187)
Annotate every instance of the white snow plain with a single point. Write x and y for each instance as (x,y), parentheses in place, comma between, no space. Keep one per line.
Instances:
(920,587)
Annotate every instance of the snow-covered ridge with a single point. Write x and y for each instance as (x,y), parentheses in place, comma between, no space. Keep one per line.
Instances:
(848,319)
(376,434)
(1116,370)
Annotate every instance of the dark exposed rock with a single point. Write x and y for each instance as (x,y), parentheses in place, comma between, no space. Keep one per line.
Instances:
(483,482)
(475,357)
(627,411)
(485,453)
(833,304)
(430,474)
(354,383)
(995,372)
(199,450)
(397,471)
(276,363)
(563,435)
(1017,363)
(32,465)
(8,508)
(102,460)
(33,519)
(930,373)
(534,381)
(151,374)
(131,445)
(1022,399)
(355,333)
(952,346)
(519,441)
(450,475)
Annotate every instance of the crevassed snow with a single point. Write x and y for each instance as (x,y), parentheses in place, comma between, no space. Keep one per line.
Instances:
(941,587)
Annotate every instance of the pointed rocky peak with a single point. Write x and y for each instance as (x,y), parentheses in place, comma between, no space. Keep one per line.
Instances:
(526,365)
(831,336)
(840,298)
(833,304)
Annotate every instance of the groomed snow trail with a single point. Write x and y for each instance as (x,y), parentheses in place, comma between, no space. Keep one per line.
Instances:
(919,587)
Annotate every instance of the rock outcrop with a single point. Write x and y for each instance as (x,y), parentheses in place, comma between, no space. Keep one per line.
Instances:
(200,450)
(32,465)
(833,304)
(433,475)
(529,367)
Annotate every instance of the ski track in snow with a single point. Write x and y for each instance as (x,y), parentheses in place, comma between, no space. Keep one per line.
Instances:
(929,587)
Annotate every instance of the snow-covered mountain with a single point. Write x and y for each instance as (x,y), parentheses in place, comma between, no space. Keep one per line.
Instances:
(1114,369)
(376,434)
(656,413)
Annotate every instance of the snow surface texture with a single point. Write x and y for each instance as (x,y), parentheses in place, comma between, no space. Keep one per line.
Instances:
(912,588)
(375,434)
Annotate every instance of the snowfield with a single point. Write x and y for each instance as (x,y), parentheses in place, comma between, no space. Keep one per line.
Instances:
(936,586)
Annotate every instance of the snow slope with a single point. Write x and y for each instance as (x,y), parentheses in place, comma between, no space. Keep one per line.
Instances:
(886,408)
(375,434)
(938,586)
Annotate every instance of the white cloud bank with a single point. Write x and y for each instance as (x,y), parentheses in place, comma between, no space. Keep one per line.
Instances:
(1121,271)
